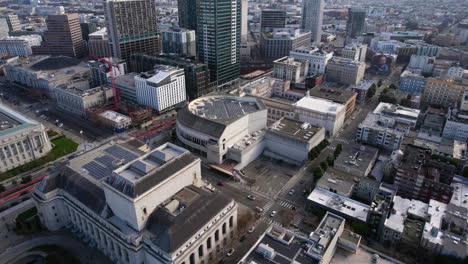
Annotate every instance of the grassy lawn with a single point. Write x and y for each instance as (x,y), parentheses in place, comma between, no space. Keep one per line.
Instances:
(26,214)
(56,254)
(62,147)
(51,133)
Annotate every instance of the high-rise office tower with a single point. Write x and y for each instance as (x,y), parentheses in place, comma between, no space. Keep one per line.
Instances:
(218,38)
(272,18)
(187,14)
(312,17)
(244,20)
(356,22)
(63,37)
(132,27)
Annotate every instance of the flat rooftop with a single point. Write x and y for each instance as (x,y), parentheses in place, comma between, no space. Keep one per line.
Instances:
(281,246)
(339,203)
(319,105)
(336,95)
(396,219)
(337,181)
(224,108)
(397,111)
(11,121)
(126,79)
(296,129)
(357,158)
(114,116)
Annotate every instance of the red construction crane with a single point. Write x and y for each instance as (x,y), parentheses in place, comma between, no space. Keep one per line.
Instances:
(115,91)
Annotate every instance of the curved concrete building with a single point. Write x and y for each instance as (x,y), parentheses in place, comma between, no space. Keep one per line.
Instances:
(223,127)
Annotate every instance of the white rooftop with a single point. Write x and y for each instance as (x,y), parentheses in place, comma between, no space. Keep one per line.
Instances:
(397,217)
(319,105)
(340,203)
(399,111)
(158,77)
(114,116)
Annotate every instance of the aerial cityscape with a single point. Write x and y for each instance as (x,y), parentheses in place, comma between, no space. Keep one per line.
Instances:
(234,131)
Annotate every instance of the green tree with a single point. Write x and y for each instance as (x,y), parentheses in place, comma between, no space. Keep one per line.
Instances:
(370,92)
(338,150)
(393,86)
(26,179)
(324,165)
(465,172)
(405,102)
(360,228)
(384,98)
(379,83)
(318,173)
(331,161)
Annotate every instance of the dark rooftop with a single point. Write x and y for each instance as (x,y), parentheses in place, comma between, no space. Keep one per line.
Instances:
(55,63)
(172,231)
(336,95)
(295,129)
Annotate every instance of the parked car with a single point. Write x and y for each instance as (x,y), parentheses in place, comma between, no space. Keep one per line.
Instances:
(251,197)
(302,181)
(220,183)
(230,252)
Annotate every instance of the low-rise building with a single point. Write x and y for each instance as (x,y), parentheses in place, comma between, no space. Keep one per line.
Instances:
(412,81)
(423,63)
(361,89)
(45,73)
(78,97)
(126,84)
(280,244)
(22,140)
(387,126)
(345,71)
(341,205)
(290,69)
(355,52)
(446,92)
(341,96)
(456,126)
(292,140)
(19,46)
(317,58)
(320,112)
(278,44)
(115,121)
(137,206)
(161,89)
(419,177)
(357,159)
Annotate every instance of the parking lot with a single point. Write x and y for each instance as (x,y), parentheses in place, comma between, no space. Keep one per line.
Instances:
(270,175)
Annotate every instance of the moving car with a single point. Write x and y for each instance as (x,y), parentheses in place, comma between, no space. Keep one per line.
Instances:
(273,213)
(230,252)
(250,230)
(251,197)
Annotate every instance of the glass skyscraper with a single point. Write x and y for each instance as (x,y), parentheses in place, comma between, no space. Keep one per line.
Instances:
(218,38)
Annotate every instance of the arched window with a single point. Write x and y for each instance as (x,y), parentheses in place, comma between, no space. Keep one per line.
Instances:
(217,235)
(208,243)
(192,258)
(200,251)
(224,228)
(231,221)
